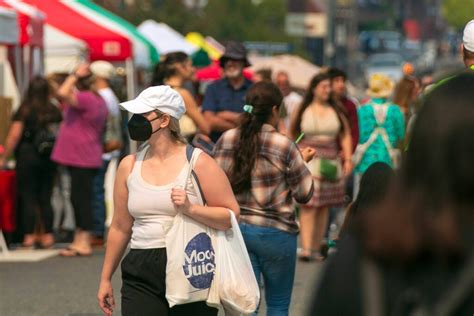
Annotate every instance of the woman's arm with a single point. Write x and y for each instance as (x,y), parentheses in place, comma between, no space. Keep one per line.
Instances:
(217,192)
(119,235)
(193,112)
(346,145)
(66,91)
(14,136)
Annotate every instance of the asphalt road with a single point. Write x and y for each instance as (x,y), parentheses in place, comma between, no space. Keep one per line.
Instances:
(68,286)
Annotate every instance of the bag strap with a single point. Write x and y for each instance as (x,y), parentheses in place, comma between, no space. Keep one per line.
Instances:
(191,157)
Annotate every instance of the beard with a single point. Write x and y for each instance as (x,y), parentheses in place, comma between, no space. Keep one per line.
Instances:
(233,73)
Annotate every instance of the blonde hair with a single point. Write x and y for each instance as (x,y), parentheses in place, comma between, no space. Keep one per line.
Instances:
(173,126)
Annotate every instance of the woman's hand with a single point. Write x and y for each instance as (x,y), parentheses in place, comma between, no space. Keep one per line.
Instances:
(83,70)
(105,296)
(308,153)
(348,166)
(180,199)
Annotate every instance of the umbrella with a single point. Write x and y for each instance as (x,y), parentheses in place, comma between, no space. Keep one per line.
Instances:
(300,71)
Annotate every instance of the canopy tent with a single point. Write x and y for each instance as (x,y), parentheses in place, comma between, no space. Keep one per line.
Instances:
(8,26)
(30,22)
(164,38)
(9,35)
(103,44)
(300,71)
(62,52)
(144,53)
(27,56)
(208,44)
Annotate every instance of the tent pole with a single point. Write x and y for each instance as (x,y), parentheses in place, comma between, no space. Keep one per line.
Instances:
(18,70)
(131,92)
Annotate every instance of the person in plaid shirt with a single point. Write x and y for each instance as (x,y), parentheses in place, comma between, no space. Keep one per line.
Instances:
(267,172)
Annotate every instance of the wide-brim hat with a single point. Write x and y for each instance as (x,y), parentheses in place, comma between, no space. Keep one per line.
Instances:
(235,50)
(380,86)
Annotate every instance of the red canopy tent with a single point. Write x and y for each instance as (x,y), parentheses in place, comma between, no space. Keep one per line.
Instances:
(27,57)
(103,43)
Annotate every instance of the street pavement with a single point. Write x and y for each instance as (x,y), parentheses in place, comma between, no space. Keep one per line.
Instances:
(68,286)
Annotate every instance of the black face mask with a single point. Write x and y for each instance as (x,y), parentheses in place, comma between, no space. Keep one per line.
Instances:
(140,128)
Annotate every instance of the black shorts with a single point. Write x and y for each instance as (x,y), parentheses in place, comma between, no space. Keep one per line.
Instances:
(144,288)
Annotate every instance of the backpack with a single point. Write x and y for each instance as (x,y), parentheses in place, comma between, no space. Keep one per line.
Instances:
(44,139)
(113,133)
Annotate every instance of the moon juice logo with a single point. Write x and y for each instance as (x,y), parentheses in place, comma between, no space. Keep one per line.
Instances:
(199,264)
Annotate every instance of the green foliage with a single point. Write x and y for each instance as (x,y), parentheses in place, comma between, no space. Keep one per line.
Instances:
(223,19)
(458,12)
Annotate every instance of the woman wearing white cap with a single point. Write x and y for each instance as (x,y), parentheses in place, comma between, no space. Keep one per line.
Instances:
(147,197)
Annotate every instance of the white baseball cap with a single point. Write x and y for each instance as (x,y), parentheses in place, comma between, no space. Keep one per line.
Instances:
(468,37)
(162,98)
(102,69)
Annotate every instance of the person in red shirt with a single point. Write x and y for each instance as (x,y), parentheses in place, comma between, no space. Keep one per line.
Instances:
(339,91)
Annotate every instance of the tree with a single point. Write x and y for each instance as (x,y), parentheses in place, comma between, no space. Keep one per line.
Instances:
(458,12)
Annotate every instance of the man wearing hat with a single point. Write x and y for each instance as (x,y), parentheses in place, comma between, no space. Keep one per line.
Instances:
(103,71)
(467,46)
(225,98)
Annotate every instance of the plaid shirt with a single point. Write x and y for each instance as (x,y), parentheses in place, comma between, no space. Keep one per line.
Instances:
(279,175)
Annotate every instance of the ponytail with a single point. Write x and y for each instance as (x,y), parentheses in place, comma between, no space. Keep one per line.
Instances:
(260,99)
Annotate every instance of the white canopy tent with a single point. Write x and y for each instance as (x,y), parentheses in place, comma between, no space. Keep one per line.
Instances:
(164,38)
(62,51)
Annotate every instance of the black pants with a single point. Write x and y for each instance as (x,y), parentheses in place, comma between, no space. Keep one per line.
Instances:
(82,181)
(144,288)
(35,177)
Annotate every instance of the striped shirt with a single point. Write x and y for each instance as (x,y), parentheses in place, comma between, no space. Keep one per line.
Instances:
(279,176)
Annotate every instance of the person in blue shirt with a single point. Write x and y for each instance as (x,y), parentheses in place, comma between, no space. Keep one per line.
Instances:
(224,99)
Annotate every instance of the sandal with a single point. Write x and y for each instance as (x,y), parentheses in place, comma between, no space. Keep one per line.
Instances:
(47,241)
(71,252)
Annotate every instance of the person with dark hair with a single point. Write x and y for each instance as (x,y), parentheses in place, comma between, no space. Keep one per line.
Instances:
(339,93)
(467,46)
(174,70)
(263,74)
(79,147)
(326,129)
(224,99)
(374,186)
(267,172)
(31,137)
(414,251)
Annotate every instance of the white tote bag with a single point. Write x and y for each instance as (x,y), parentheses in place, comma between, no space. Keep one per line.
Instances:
(191,263)
(235,280)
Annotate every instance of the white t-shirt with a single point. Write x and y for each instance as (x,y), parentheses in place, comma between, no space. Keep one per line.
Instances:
(114,108)
(291,102)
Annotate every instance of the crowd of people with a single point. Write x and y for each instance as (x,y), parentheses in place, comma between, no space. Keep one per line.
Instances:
(398,160)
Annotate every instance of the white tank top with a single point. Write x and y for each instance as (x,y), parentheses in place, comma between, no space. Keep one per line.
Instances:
(151,205)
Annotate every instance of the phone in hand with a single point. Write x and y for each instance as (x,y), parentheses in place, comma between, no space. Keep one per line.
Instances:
(204,143)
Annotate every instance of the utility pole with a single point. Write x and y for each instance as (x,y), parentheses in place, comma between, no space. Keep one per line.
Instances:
(330,47)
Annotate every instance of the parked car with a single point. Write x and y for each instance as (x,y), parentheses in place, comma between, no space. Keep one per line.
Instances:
(386,63)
